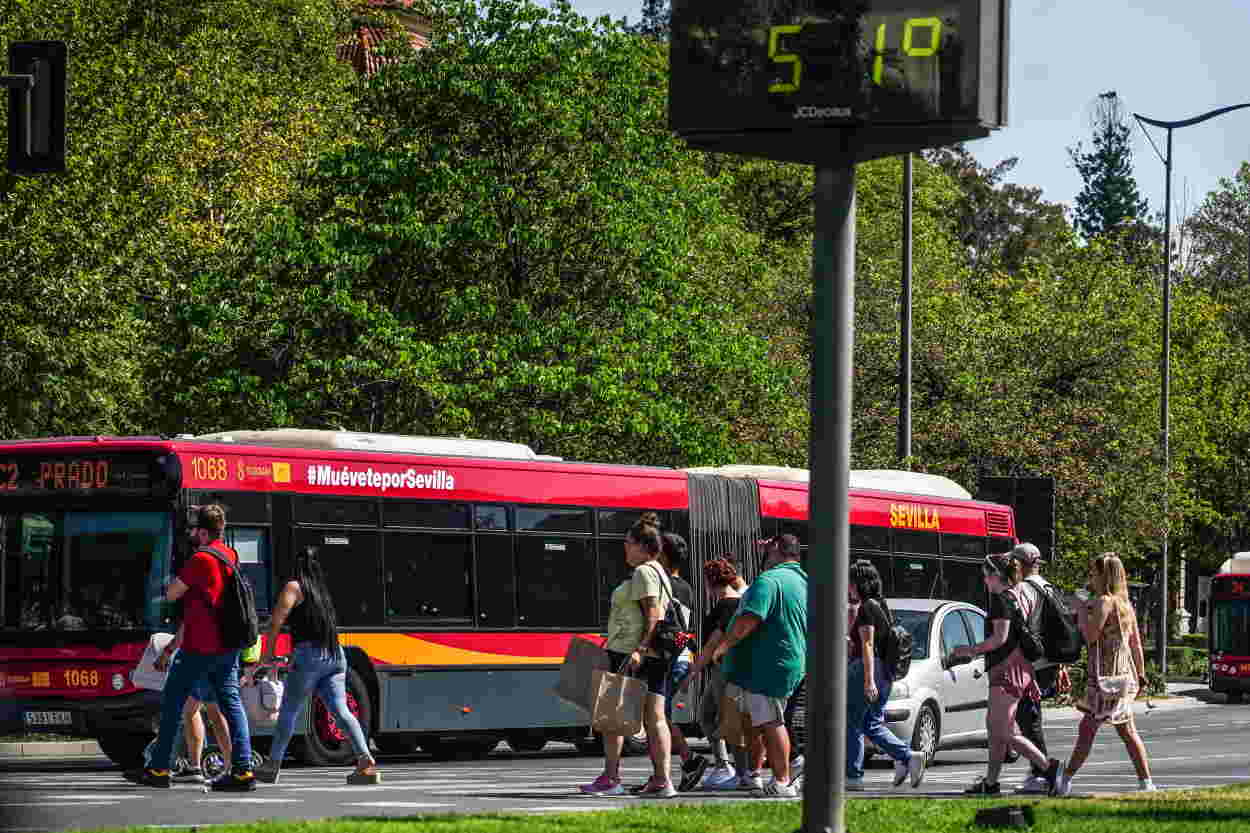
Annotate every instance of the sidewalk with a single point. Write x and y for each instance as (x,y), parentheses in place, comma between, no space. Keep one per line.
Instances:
(1181,694)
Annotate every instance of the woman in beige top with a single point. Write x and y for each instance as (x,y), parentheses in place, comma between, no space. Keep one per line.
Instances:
(638,606)
(1116,669)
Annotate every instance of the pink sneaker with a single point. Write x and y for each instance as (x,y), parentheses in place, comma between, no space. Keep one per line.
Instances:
(603,785)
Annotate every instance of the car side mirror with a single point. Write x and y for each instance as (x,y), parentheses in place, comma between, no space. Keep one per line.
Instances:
(950,661)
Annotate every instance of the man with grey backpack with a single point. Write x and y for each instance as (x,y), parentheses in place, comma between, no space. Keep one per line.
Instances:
(1051,676)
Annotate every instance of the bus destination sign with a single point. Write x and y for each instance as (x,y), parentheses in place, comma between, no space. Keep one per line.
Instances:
(131,474)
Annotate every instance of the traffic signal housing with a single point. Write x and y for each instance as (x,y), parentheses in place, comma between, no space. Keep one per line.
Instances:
(1033,499)
(36,83)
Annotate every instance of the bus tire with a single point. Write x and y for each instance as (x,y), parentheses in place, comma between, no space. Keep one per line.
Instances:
(124,748)
(1234,696)
(327,744)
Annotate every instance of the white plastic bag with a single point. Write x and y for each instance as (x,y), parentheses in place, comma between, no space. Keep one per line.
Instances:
(145,674)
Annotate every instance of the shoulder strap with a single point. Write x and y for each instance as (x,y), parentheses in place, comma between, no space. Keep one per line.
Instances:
(215,554)
(664,585)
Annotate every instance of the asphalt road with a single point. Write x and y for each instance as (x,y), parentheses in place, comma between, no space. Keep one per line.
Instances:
(1191,743)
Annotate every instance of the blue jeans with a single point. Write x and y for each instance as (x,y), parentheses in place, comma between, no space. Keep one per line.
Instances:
(201,691)
(868,719)
(221,672)
(315,669)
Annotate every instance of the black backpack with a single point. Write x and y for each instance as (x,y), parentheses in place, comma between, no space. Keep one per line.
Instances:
(896,644)
(1053,619)
(1028,638)
(240,627)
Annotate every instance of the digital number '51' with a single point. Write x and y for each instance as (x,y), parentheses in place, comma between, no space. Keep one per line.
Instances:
(778,56)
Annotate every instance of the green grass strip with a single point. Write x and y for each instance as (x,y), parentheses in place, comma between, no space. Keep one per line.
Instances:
(1218,810)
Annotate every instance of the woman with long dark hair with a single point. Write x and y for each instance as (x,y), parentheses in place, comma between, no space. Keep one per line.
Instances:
(319,663)
(869,679)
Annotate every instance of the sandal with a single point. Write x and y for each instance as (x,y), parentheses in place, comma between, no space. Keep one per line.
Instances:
(983,787)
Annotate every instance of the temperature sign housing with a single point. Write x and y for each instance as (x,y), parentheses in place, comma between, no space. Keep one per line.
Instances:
(791,80)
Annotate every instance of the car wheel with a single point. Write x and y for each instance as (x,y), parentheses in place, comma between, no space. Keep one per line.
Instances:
(924,738)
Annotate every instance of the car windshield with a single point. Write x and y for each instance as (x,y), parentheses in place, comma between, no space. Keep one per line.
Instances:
(78,571)
(918,623)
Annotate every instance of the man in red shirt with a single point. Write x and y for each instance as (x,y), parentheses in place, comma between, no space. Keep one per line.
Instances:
(202,655)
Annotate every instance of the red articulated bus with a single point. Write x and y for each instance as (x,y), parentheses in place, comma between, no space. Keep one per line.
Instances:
(460,569)
(1228,629)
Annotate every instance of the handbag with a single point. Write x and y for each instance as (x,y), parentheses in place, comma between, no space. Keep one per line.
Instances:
(617,703)
(581,660)
(1116,690)
(673,631)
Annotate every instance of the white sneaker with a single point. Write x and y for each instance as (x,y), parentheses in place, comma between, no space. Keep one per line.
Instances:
(1146,785)
(916,769)
(723,777)
(1063,784)
(776,789)
(1034,784)
(750,781)
(855,785)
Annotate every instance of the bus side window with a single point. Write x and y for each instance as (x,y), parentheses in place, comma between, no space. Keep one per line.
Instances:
(252,545)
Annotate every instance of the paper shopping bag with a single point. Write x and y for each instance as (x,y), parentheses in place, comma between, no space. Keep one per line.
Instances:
(582,659)
(617,703)
(733,723)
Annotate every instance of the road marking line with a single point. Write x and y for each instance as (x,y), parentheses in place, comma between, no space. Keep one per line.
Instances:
(59,803)
(410,805)
(231,799)
(95,797)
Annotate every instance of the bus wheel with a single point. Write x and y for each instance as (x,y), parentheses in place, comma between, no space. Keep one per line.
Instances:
(326,743)
(1234,696)
(124,748)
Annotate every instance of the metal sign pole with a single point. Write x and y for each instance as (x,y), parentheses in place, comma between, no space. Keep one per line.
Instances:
(833,326)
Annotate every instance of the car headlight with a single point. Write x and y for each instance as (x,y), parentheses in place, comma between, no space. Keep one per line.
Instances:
(900,691)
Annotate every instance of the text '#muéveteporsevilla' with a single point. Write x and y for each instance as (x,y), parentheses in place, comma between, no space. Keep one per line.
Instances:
(384,480)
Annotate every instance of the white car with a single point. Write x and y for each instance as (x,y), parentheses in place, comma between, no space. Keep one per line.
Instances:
(939,704)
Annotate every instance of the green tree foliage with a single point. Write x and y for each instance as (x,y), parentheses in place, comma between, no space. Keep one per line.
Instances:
(521,251)
(1001,225)
(1109,196)
(1218,235)
(184,120)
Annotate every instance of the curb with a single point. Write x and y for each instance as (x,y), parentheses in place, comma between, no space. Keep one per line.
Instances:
(50,749)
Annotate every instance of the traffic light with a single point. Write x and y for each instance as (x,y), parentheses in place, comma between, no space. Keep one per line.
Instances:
(1033,499)
(36,83)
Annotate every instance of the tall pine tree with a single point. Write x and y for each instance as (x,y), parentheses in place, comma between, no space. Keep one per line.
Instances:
(1109,196)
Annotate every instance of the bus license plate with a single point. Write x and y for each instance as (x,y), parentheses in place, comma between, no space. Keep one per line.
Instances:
(49,718)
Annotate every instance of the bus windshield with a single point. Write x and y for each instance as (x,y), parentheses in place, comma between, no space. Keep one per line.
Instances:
(78,571)
(1230,627)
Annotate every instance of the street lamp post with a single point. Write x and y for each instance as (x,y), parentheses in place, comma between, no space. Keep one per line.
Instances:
(1161,638)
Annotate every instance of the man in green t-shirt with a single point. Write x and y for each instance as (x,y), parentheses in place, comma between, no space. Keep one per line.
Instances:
(766,653)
